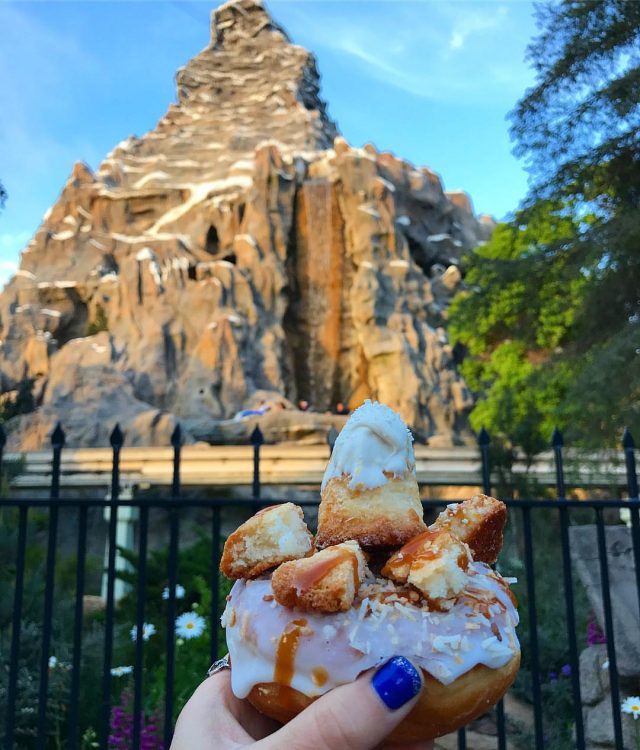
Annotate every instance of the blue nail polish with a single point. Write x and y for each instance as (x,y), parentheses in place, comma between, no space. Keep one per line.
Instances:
(396,682)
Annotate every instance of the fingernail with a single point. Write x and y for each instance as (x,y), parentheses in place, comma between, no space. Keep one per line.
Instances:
(397,682)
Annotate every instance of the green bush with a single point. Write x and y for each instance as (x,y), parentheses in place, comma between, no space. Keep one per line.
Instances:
(31,629)
(192,656)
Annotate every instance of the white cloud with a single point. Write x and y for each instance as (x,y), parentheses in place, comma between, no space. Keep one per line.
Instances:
(470,24)
(435,50)
(457,40)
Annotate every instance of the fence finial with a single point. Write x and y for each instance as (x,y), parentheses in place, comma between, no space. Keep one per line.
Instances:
(176,436)
(483,437)
(57,436)
(627,440)
(117,438)
(557,441)
(257,438)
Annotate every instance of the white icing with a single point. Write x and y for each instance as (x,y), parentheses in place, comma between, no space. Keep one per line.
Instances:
(373,440)
(347,643)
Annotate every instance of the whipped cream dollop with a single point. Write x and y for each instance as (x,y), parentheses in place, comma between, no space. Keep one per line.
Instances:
(373,440)
(324,651)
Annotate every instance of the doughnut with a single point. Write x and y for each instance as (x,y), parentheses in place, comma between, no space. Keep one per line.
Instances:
(337,607)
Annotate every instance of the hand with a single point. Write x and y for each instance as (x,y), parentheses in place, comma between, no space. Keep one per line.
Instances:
(357,716)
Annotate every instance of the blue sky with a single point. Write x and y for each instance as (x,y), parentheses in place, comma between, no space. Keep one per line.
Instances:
(430,80)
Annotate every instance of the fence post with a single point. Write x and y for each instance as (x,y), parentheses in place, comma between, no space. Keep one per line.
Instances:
(57,443)
(634,511)
(12,685)
(257,439)
(3,442)
(174,531)
(629,447)
(557,443)
(116,439)
(176,442)
(332,436)
(484,443)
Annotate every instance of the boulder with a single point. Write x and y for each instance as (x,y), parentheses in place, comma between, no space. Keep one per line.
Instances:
(622,588)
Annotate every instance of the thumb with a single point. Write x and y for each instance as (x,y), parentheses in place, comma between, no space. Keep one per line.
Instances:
(357,716)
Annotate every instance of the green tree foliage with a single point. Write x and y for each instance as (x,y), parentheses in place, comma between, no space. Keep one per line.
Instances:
(193,657)
(552,315)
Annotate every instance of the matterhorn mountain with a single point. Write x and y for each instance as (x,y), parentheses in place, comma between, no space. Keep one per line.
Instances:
(240,253)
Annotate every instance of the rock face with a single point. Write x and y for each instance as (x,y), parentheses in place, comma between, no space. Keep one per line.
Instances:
(240,246)
(622,588)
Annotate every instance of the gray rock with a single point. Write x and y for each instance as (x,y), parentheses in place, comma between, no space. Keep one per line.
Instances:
(598,727)
(623,590)
(594,674)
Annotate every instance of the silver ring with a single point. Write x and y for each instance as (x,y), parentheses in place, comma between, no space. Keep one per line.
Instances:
(219,665)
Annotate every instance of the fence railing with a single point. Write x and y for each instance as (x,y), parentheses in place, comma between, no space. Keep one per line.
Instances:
(26,676)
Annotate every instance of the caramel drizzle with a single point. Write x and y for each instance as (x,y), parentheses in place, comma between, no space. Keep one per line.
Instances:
(421,548)
(413,547)
(306,578)
(286,652)
(319,675)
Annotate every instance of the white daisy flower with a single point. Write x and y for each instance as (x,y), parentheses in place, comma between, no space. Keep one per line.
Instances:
(53,662)
(189,625)
(121,671)
(180,592)
(148,629)
(631,705)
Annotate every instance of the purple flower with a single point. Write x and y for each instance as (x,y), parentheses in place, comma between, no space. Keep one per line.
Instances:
(566,670)
(553,677)
(121,728)
(595,635)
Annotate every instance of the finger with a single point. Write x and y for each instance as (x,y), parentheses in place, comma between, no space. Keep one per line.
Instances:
(357,716)
(214,717)
(256,724)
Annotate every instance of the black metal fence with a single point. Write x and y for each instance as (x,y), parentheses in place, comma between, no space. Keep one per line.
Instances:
(556,516)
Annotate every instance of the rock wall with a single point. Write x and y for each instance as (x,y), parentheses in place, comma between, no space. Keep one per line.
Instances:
(239,248)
